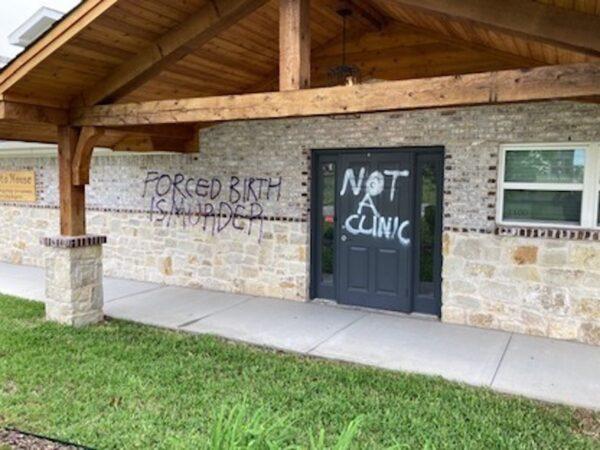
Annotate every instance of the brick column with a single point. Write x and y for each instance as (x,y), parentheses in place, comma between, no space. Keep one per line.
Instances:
(74,294)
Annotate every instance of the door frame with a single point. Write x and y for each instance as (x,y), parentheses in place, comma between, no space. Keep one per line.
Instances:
(315,239)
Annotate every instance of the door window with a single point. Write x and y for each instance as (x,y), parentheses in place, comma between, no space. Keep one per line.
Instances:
(327,222)
(428,205)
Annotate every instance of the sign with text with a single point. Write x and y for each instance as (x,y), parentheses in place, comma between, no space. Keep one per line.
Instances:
(18,186)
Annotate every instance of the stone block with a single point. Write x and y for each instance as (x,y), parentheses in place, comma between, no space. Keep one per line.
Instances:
(563,329)
(526,254)
(165,266)
(590,333)
(468,248)
(524,273)
(550,257)
(482,320)
(585,256)
(451,314)
(480,269)
(587,308)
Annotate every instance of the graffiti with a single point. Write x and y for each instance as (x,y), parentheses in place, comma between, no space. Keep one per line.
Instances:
(213,204)
(367,220)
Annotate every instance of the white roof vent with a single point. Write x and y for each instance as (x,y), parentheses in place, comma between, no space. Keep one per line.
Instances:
(34,27)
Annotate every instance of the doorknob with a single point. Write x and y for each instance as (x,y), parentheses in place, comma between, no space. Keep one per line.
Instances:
(344,238)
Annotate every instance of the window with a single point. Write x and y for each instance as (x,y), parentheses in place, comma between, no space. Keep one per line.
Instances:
(555,185)
(428,187)
(327,204)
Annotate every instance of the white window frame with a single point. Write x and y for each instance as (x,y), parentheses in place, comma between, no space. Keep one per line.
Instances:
(590,187)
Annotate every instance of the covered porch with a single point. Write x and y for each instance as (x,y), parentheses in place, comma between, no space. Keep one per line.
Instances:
(154,78)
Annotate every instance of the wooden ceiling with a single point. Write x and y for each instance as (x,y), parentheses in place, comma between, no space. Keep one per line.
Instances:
(200,48)
(387,40)
(534,51)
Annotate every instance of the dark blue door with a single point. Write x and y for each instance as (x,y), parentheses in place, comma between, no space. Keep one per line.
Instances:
(375,215)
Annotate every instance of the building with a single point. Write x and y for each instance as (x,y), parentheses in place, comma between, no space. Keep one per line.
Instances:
(422,157)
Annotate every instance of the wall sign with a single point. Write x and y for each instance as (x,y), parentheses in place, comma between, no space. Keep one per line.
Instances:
(18,186)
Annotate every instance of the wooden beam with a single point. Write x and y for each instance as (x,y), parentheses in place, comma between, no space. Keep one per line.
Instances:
(173,138)
(88,138)
(558,26)
(175,131)
(148,143)
(205,24)
(72,197)
(542,83)
(65,30)
(24,113)
(294,44)
(22,122)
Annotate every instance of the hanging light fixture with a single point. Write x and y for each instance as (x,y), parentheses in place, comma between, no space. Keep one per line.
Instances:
(345,73)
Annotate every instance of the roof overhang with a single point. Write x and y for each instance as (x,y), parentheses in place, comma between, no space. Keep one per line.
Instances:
(153,76)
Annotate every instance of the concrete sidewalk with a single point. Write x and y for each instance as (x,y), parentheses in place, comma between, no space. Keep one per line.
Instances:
(544,369)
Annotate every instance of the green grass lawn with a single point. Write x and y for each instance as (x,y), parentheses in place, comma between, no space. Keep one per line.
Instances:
(126,386)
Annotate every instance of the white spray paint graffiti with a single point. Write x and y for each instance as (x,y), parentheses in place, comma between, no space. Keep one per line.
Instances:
(382,227)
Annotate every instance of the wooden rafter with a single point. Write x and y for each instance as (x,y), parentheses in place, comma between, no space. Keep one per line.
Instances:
(558,26)
(503,55)
(543,83)
(209,21)
(368,12)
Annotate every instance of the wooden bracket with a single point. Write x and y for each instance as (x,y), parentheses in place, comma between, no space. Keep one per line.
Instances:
(88,138)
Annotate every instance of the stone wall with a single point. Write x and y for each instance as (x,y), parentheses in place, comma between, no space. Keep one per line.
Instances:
(231,261)
(274,261)
(543,287)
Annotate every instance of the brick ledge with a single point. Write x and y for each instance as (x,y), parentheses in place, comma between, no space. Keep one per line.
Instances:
(73,241)
(303,219)
(574,234)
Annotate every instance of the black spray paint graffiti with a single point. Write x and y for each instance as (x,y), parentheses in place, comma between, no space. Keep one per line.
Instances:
(213,204)
(381,227)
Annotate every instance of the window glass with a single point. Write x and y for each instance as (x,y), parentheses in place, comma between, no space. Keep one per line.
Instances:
(598,209)
(328,222)
(545,166)
(428,207)
(543,206)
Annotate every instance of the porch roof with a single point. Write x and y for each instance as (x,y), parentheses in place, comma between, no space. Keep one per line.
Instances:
(123,51)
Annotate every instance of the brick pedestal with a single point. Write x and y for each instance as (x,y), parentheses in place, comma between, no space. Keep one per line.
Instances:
(74,294)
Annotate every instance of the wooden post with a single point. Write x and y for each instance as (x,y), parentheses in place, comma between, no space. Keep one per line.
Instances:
(294,44)
(72,198)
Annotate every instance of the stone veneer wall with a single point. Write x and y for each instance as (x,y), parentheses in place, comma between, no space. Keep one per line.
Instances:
(277,265)
(543,287)
(231,261)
